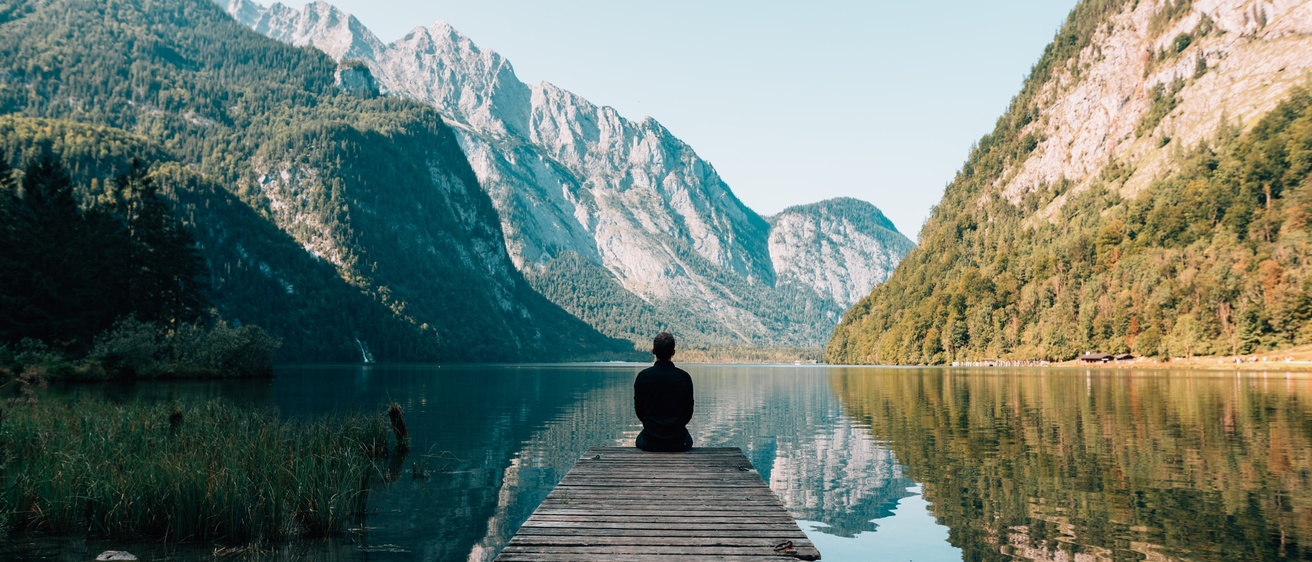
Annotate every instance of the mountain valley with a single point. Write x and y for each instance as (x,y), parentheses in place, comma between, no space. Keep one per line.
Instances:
(588,198)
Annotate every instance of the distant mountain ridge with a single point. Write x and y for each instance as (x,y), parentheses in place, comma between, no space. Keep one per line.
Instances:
(836,247)
(625,204)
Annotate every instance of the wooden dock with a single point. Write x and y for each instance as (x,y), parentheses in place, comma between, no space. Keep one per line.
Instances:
(625,504)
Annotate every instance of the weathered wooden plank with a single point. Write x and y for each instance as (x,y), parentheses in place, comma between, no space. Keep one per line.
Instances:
(622,504)
(691,498)
(690,525)
(707,478)
(581,491)
(678,502)
(596,453)
(582,557)
(640,487)
(670,520)
(728,476)
(666,549)
(693,533)
(612,540)
(673,500)
(664,503)
(604,511)
(568,511)
(724,491)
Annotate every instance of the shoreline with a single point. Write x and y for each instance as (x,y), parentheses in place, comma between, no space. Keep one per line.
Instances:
(1241,363)
(1294,359)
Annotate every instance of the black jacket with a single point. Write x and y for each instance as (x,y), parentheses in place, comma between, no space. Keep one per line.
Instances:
(662,398)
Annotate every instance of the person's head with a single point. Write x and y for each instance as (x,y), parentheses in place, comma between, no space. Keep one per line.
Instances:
(663,346)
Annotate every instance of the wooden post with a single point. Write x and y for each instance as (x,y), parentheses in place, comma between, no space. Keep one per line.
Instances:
(398,427)
(175,421)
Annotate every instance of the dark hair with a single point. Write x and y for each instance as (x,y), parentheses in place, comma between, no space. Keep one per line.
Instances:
(663,346)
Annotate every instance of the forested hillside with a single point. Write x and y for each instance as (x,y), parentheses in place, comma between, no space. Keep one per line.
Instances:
(344,223)
(1174,223)
(305,301)
(618,221)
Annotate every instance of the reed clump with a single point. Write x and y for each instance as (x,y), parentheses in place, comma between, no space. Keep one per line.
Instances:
(204,472)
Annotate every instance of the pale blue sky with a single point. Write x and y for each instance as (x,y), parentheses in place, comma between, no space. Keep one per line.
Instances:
(792,102)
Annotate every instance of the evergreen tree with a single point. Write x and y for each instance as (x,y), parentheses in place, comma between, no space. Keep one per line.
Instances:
(45,220)
(167,279)
(63,266)
(9,264)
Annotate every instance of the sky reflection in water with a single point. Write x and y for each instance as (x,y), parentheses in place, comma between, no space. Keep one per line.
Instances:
(501,437)
(877,464)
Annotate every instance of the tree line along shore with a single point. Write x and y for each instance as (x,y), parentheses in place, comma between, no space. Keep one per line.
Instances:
(106,284)
(111,286)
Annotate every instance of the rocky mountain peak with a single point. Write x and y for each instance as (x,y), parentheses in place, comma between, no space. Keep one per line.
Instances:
(844,208)
(318,24)
(442,67)
(837,246)
(448,34)
(629,198)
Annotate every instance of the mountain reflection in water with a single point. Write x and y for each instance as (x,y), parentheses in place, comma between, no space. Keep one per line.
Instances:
(501,438)
(876,463)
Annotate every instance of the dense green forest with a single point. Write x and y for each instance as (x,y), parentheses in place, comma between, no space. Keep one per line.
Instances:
(1210,260)
(789,312)
(68,272)
(304,300)
(254,146)
(112,286)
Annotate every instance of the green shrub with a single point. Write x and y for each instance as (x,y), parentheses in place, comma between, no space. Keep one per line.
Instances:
(222,350)
(130,348)
(33,358)
(144,349)
(1182,42)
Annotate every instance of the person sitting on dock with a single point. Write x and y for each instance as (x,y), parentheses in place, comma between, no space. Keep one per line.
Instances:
(662,398)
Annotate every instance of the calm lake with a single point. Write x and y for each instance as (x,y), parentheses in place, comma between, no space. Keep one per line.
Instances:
(877,463)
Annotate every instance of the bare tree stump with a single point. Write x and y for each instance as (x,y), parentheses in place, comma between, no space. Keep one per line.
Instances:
(398,427)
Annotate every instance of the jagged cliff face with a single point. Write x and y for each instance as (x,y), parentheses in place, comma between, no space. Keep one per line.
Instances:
(1144,193)
(569,177)
(1241,59)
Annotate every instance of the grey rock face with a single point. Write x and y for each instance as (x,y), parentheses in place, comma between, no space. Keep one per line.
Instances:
(1245,57)
(355,78)
(840,247)
(570,177)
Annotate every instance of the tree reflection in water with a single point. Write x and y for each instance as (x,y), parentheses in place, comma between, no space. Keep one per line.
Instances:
(1060,465)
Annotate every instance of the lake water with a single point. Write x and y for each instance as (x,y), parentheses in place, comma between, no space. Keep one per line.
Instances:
(876,463)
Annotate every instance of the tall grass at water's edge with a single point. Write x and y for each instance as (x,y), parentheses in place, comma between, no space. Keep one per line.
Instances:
(209,472)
